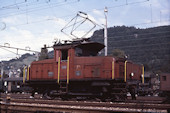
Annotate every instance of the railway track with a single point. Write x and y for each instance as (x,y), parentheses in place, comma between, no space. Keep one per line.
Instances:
(156,100)
(37,105)
(75,106)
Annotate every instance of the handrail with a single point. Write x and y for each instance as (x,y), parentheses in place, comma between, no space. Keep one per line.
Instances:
(113,70)
(143,80)
(28,72)
(125,71)
(68,62)
(24,74)
(58,80)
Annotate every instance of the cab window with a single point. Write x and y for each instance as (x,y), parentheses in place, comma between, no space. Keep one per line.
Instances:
(85,52)
(64,54)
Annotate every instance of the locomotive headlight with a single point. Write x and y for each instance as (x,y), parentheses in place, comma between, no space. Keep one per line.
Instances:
(18,86)
(5,83)
(132,74)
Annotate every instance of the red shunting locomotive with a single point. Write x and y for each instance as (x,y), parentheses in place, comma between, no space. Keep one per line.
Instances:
(76,71)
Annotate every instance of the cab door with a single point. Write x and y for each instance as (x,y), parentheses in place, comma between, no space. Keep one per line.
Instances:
(121,70)
(63,64)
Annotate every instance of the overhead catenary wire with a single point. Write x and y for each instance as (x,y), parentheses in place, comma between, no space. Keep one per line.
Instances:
(151,22)
(22,4)
(16,48)
(144,45)
(37,9)
(148,50)
(134,39)
(97,9)
(119,36)
(138,35)
(132,3)
(124,35)
(139,50)
(11,5)
(9,51)
(58,3)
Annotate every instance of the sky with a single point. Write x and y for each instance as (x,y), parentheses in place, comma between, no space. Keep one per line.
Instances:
(33,23)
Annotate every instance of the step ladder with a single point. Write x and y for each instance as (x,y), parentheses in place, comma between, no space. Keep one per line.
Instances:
(63,87)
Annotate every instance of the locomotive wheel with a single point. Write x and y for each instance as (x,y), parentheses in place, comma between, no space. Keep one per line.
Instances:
(47,95)
(64,97)
(123,95)
(105,96)
(119,97)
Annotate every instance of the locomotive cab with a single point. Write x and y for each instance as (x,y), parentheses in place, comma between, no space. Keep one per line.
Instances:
(77,50)
(79,57)
(88,49)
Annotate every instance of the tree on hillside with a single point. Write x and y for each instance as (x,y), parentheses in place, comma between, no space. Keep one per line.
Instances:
(118,53)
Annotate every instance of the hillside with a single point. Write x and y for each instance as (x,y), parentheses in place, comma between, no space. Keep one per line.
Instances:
(150,46)
(16,65)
